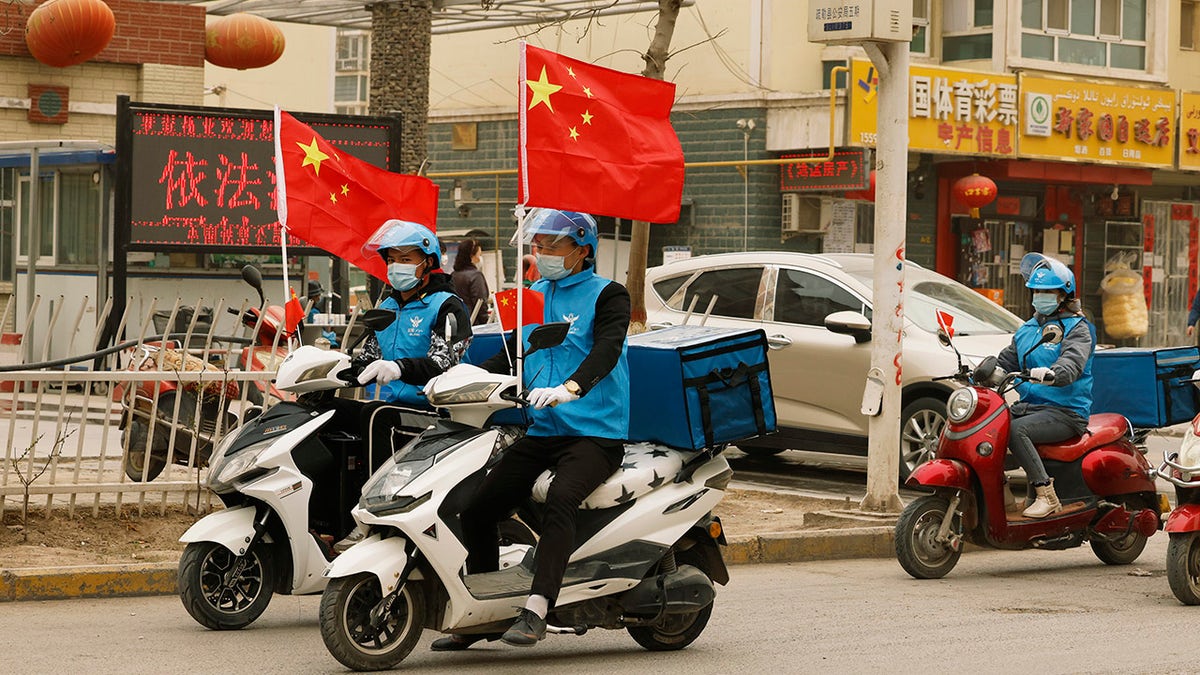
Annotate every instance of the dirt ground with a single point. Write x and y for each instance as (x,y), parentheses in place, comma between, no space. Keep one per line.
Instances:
(127,538)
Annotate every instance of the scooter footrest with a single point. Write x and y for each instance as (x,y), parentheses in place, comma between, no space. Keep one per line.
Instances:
(1067,509)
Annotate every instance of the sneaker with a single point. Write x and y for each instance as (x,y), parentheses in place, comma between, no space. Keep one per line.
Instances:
(356,535)
(528,629)
(456,643)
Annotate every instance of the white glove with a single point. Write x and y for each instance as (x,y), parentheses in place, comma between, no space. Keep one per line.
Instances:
(550,396)
(429,386)
(381,370)
(1043,375)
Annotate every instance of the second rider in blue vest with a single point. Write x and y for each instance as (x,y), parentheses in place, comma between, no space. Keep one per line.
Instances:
(1056,346)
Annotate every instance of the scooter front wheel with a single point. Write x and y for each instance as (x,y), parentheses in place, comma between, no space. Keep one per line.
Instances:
(362,629)
(917,548)
(223,591)
(1183,567)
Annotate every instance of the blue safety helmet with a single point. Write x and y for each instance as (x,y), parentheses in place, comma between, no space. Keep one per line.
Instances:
(1043,273)
(561,224)
(403,234)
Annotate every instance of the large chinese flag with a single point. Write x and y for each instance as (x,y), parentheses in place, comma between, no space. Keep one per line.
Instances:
(597,140)
(336,202)
(532,308)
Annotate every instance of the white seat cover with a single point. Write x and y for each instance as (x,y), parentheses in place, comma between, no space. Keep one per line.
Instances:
(645,467)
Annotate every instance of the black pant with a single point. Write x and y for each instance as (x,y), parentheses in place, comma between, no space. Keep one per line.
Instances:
(1035,425)
(580,464)
(385,426)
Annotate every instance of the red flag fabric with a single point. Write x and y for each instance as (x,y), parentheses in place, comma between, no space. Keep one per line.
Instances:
(945,321)
(597,140)
(293,314)
(336,201)
(532,304)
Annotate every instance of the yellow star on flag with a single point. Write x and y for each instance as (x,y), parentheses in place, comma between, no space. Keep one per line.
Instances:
(345,189)
(542,89)
(333,197)
(312,155)
(587,117)
(571,71)
(504,301)
(588,92)
(574,133)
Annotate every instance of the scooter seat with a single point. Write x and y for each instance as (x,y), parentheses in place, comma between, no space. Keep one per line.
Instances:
(645,467)
(1103,428)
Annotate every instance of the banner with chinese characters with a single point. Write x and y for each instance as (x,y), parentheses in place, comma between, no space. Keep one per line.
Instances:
(1092,122)
(949,111)
(1189,131)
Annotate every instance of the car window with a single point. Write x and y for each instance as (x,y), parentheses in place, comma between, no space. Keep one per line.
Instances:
(806,299)
(665,288)
(973,313)
(736,290)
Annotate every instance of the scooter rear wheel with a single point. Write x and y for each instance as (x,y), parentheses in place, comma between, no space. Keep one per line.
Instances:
(917,549)
(347,606)
(222,591)
(1183,567)
(1121,552)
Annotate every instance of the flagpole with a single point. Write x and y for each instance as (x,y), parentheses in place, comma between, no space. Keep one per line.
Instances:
(281,209)
(522,128)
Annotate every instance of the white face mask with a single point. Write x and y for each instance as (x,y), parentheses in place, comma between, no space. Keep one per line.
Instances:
(552,267)
(402,276)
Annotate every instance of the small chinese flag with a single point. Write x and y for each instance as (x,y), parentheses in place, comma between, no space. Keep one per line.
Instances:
(532,304)
(293,314)
(597,140)
(945,321)
(335,201)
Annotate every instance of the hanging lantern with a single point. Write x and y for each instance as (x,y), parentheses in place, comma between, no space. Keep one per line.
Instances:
(63,33)
(868,194)
(242,41)
(975,191)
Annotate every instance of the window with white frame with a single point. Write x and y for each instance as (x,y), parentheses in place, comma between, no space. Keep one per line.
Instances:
(351,81)
(967,29)
(1189,12)
(70,215)
(920,42)
(1097,33)
(47,198)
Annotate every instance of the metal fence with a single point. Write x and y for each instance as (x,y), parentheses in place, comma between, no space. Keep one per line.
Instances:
(135,425)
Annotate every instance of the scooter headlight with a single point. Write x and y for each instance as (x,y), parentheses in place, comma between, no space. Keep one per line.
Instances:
(475,392)
(238,467)
(961,404)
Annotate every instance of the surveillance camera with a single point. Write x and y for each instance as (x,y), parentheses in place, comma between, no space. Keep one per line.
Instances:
(464,210)
(741,124)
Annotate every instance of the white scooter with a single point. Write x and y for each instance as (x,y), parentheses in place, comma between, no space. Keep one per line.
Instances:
(646,557)
(288,485)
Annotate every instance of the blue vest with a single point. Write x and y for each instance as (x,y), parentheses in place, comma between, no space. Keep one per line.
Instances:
(604,411)
(1076,396)
(408,337)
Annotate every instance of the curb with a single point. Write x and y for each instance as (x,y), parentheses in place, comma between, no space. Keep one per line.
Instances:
(118,581)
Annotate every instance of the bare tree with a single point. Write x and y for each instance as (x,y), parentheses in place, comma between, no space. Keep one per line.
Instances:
(656,64)
(28,479)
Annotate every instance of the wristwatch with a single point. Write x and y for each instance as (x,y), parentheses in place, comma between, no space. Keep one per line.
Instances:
(573,387)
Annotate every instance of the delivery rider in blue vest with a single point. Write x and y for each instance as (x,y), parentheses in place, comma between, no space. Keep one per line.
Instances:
(579,395)
(401,358)
(1056,346)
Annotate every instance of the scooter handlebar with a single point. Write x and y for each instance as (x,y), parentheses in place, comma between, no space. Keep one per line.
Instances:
(515,398)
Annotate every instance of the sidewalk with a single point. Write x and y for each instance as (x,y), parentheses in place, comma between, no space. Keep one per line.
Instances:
(869,536)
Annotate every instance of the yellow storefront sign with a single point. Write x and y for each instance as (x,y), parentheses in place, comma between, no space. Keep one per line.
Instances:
(1189,131)
(949,111)
(1093,122)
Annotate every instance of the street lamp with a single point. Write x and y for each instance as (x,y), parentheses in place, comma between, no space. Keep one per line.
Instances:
(747,126)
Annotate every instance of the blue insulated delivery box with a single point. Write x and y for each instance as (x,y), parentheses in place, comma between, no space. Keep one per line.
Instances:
(1148,386)
(694,386)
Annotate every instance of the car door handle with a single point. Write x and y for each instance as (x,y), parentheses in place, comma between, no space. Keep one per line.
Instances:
(778,341)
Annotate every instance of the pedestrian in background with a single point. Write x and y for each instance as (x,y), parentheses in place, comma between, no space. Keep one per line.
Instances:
(469,283)
(1193,316)
(529,270)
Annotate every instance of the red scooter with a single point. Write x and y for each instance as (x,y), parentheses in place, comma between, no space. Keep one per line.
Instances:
(1182,469)
(152,420)
(1104,483)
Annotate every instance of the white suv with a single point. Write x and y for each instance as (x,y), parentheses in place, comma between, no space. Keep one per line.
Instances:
(817,374)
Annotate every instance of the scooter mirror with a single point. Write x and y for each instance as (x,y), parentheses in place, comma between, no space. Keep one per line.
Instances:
(944,338)
(378,319)
(252,276)
(547,335)
(985,370)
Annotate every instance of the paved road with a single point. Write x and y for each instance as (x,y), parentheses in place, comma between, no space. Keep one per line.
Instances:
(1045,612)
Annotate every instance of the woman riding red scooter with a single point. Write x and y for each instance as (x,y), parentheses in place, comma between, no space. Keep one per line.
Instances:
(1091,482)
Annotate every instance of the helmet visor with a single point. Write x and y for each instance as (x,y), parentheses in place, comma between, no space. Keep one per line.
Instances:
(546,222)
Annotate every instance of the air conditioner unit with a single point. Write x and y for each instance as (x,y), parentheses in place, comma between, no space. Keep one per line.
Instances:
(806,215)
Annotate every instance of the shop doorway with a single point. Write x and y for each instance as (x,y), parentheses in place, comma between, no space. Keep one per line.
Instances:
(990,253)
(1170,238)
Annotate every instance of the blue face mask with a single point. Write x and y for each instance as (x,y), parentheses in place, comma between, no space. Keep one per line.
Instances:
(551,266)
(402,276)
(1045,303)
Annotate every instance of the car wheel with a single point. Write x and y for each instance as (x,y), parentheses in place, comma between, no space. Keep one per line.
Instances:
(921,425)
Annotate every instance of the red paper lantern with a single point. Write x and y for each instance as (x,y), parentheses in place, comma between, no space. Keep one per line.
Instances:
(63,33)
(975,191)
(242,41)
(867,194)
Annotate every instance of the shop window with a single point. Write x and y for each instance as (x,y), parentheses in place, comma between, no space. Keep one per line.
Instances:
(1096,33)
(967,30)
(69,204)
